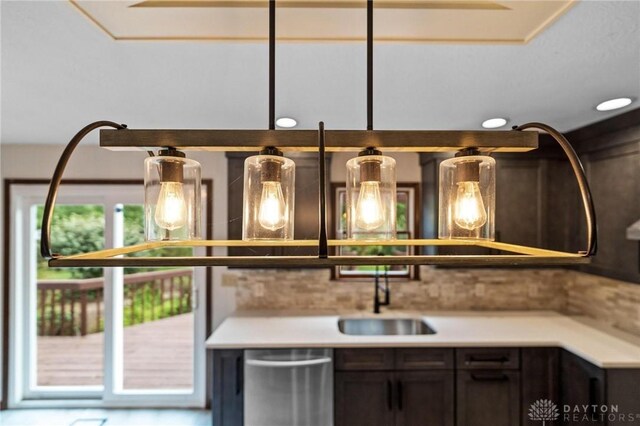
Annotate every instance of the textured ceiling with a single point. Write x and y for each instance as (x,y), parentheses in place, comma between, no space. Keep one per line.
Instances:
(59,72)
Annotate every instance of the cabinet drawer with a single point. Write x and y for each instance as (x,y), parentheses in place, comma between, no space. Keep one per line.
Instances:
(487,358)
(424,359)
(364,359)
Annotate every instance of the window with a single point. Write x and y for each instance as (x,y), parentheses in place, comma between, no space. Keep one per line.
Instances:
(407,227)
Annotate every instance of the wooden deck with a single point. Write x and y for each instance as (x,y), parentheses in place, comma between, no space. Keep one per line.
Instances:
(157,355)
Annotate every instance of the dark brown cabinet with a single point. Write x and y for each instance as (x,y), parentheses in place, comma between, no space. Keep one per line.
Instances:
(487,387)
(582,385)
(488,398)
(445,386)
(228,398)
(394,387)
(424,398)
(364,398)
(540,376)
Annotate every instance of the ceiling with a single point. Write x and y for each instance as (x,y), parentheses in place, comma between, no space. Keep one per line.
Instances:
(476,21)
(61,71)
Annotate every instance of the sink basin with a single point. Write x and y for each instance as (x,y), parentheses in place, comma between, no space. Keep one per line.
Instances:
(384,326)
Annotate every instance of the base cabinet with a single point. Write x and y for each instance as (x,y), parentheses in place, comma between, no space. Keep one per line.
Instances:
(394,387)
(363,398)
(463,386)
(488,398)
(424,398)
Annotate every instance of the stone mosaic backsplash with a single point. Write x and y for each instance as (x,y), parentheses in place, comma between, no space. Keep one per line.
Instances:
(615,303)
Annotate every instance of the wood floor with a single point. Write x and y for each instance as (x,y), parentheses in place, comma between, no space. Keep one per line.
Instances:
(157,355)
(102,417)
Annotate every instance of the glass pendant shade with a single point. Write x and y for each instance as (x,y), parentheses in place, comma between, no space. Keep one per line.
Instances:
(467,197)
(171,197)
(268,197)
(371,196)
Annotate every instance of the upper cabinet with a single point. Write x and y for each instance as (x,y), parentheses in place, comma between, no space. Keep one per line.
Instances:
(538,203)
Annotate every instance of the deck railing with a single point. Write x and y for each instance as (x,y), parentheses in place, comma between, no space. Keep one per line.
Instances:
(75,306)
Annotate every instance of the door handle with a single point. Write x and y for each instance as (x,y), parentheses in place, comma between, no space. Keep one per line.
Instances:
(389,395)
(400,395)
(481,360)
(239,374)
(489,377)
(288,364)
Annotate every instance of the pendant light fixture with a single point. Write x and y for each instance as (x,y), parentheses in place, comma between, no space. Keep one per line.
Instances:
(171,197)
(268,198)
(371,176)
(269,178)
(371,196)
(467,193)
(467,196)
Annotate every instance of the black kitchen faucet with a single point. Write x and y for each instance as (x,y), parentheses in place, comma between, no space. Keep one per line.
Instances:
(376,298)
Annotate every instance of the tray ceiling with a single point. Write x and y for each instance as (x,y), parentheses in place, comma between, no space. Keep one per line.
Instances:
(472,21)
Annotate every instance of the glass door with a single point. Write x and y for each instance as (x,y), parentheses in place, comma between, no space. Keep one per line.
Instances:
(115,336)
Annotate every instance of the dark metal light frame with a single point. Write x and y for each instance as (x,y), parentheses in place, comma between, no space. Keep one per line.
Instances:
(320,141)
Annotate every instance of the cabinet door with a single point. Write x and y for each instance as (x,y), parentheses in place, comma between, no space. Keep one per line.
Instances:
(582,387)
(227,405)
(540,376)
(364,398)
(425,398)
(488,398)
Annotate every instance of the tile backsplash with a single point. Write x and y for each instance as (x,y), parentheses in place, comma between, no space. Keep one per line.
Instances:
(613,302)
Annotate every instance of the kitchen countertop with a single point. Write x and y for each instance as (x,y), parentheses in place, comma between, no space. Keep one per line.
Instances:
(604,347)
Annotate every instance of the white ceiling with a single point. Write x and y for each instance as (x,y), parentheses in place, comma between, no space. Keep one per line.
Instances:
(59,72)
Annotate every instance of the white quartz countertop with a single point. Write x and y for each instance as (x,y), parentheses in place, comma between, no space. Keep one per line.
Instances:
(606,348)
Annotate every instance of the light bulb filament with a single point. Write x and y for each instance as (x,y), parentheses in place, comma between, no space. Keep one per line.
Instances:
(171,209)
(469,212)
(273,209)
(369,207)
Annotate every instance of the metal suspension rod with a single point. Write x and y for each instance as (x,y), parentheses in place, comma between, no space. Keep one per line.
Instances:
(583,185)
(323,244)
(272,64)
(49,205)
(369,64)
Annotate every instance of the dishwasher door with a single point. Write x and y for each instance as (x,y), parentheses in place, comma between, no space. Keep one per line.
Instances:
(288,387)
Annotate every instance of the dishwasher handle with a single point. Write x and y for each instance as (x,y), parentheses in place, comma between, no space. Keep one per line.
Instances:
(288,364)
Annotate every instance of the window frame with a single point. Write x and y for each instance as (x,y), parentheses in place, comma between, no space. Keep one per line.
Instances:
(413,270)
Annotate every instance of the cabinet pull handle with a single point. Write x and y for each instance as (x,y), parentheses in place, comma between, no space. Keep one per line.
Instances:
(239,374)
(400,396)
(486,360)
(490,377)
(389,395)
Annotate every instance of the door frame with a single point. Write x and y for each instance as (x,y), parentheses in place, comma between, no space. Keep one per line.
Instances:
(133,398)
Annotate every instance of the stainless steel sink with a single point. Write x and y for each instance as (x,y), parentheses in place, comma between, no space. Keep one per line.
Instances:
(384,326)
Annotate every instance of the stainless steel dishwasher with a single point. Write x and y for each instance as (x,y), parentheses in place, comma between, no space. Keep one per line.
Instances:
(288,387)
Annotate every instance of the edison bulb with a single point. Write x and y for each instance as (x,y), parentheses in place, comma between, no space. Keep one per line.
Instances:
(369,209)
(171,210)
(469,212)
(272,214)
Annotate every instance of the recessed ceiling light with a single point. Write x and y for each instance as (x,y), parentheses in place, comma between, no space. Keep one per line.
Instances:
(286,122)
(494,123)
(612,104)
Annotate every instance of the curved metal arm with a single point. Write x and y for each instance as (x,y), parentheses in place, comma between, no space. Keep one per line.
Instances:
(578,170)
(45,248)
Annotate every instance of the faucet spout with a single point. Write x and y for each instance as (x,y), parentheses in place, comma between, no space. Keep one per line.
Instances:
(377,287)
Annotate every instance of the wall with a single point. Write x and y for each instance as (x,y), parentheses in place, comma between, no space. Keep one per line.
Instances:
(611,302)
